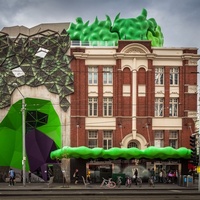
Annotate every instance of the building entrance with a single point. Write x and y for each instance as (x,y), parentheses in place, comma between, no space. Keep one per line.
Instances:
(167,167)
(99,171)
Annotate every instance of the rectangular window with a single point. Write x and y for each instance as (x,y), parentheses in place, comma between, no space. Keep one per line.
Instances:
(174,76)
(92,106)
(159,75)
(107,139)
(173,139)
(107,75)
(159,107)
(107,106)
(92,75)
(173,107)
(92,139)
(158,139)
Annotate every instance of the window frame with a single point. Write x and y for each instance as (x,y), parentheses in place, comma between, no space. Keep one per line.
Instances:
(93,138)
(159,75)
(173,137)
(159,138)
(174,76)
(107,75)
(107,138)
(173,107)
(107,106)
(159,107)
(92,75)
(92,106)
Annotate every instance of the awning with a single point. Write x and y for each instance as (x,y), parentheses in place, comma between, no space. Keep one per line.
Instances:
(126,153)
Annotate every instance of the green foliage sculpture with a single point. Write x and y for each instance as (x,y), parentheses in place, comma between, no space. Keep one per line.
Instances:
(46,121)
(139,28)
(115,153)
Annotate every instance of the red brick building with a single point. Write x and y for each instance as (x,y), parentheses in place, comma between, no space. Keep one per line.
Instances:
(133,95)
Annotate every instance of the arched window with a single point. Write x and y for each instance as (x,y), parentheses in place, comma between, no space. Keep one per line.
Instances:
(132,144)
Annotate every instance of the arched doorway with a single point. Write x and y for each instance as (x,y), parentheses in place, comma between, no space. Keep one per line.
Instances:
(132,140)
(132,143)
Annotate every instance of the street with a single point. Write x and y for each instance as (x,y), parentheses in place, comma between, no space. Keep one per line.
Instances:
(105,197)
(167,194)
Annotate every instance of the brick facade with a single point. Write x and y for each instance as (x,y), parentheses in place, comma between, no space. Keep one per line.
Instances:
(137,118)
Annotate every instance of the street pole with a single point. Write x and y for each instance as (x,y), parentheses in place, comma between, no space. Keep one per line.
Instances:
(23,136)
(23,142)
(198,145)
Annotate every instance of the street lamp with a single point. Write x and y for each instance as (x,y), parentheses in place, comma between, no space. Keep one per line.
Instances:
(23,135)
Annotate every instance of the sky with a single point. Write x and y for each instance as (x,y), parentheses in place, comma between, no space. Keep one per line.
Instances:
(179,19)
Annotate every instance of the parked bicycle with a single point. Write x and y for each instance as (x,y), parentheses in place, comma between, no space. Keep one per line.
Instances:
(139,182)
(108,182)
(151,181)
(128,182)
(119,181)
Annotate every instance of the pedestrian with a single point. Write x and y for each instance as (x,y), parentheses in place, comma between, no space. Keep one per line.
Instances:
(135,176)
(11,176)
(153,174)
(170,176)
(164,176)
(29,176)
(76,176)
(88,176)
(161,176)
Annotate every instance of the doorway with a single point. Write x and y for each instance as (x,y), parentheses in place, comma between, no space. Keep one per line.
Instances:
(99,171)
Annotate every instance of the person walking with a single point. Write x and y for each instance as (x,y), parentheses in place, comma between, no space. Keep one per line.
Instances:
(153,174)
(135,176)
(11,176)
(88,176)
(29,176)
(76,176)
(161,176)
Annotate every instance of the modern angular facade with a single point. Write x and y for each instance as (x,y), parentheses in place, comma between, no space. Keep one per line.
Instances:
(112,90)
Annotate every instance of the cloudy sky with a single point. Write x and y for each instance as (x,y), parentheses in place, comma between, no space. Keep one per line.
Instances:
(179,19)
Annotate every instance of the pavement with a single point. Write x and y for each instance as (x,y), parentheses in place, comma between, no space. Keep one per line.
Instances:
(33,190)
(93,187)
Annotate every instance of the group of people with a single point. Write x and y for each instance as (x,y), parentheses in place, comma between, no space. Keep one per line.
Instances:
(170,177)
(162,177)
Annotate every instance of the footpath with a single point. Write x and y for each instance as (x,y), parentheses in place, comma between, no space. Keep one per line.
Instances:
(32,189)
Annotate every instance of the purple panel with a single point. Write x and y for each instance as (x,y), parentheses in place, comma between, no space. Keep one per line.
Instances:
(38,148)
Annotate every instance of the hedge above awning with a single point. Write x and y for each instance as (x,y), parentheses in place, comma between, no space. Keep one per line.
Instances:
(126,153)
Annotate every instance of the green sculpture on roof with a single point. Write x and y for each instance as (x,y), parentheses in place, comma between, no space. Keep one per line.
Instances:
(139,28)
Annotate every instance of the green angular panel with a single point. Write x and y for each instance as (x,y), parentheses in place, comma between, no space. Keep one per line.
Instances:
(44,118)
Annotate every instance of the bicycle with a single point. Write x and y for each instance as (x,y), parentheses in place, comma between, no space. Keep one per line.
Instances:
(119,181)
(151,181)
(139,181)
(109,183)
(128,182)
